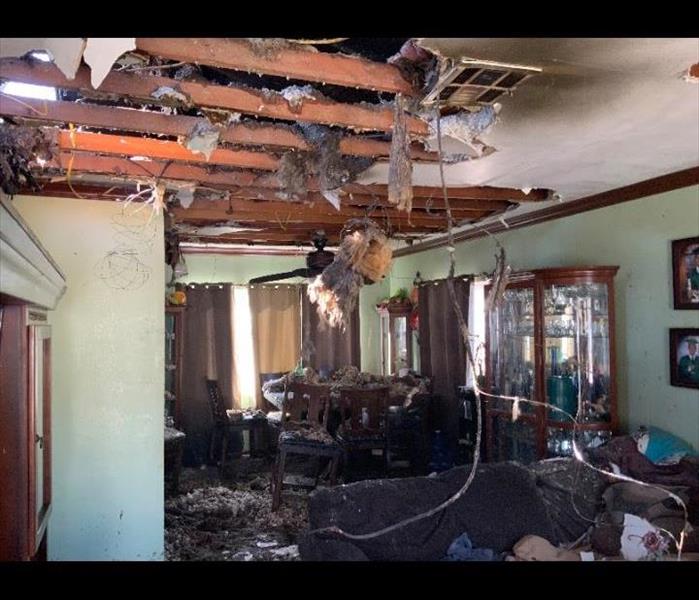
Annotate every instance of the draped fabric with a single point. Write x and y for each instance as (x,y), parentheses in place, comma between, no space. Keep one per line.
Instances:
(442,352)
(207,353)
(276,330)
(330,347)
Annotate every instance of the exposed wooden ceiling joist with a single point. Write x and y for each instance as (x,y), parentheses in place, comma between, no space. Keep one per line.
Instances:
(245,182)
(294,63)
(238,99)
(461,209)
(127,145)
(292,239)
(457,205)
(236,208)
(470,192)
(125,119)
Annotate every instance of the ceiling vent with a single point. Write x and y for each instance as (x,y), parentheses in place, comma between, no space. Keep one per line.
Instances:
(470,83)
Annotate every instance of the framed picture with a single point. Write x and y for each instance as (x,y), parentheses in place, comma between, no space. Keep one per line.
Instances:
(684,357)
(685,273)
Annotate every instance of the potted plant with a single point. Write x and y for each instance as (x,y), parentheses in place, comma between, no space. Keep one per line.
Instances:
(400,301)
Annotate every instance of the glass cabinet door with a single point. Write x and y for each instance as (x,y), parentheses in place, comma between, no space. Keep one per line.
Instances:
(513,373)
(512,354)
(576,360)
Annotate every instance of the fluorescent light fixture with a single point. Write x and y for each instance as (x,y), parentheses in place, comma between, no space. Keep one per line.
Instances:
(29,90)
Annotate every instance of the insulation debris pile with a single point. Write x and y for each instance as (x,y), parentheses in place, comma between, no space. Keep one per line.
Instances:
(213,522)
(324,161)
(19,148)
(402,389)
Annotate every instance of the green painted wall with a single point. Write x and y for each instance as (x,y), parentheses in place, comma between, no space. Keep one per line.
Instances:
(219,268)
(226,268)
(107,406)
(636,236)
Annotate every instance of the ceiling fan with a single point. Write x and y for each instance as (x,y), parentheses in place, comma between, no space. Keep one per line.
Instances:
(316,261)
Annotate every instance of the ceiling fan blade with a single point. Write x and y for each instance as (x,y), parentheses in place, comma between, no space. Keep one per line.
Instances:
(305,272)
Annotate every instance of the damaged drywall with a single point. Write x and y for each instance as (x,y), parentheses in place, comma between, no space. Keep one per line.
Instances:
(467,128)
(66,53)
(101,54)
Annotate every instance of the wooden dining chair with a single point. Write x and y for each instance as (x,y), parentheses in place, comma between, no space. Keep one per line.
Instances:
(304,431)
(364,424)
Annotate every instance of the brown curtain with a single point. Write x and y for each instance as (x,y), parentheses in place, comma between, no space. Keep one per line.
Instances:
(330,347)
(442,352)
(207,353)
(276,329)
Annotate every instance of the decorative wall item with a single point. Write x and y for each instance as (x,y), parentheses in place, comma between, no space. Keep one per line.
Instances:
(684,357)
(685,273)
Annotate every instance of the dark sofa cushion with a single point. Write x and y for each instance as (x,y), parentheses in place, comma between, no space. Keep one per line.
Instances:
(502,505)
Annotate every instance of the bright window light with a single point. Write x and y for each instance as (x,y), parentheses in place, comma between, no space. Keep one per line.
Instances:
(477,327)
(242,347)
(29,90)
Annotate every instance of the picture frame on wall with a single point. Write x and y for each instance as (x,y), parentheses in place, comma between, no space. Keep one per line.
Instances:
(684,357)
(685,273)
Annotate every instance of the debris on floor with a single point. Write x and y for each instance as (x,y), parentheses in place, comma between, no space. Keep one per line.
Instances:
(214,520)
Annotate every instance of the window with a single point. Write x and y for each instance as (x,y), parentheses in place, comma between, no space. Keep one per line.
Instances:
(243,351)
(476,319)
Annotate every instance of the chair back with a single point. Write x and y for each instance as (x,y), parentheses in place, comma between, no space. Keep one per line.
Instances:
(306,402)
(218,411)
(265,377)
(356,402)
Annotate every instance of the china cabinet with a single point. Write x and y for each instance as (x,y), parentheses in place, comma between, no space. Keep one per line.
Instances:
(551,339)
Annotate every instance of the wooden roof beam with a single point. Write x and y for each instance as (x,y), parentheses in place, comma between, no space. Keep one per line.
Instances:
(294,63)
(127,145)
(216,211)
(470,192)
(259,198)
(238,99)
(254,185)
(125,119)
(279,209)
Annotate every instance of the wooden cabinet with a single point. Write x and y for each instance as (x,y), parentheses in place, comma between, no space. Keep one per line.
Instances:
(25,431)
(551,339)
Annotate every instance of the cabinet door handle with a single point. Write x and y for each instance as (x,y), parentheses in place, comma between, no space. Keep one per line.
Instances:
(38,439)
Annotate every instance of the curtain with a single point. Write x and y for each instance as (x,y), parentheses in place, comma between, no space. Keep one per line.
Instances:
(276,330)
(207,353)
(442,352)
(330,347)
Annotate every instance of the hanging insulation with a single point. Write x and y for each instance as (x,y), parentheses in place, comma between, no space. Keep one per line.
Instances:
(400,166)
(364,256)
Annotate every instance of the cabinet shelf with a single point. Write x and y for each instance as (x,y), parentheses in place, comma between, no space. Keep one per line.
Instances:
(524,311)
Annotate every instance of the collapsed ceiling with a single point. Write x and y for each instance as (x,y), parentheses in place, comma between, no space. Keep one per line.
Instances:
(602,114)
(260,141)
